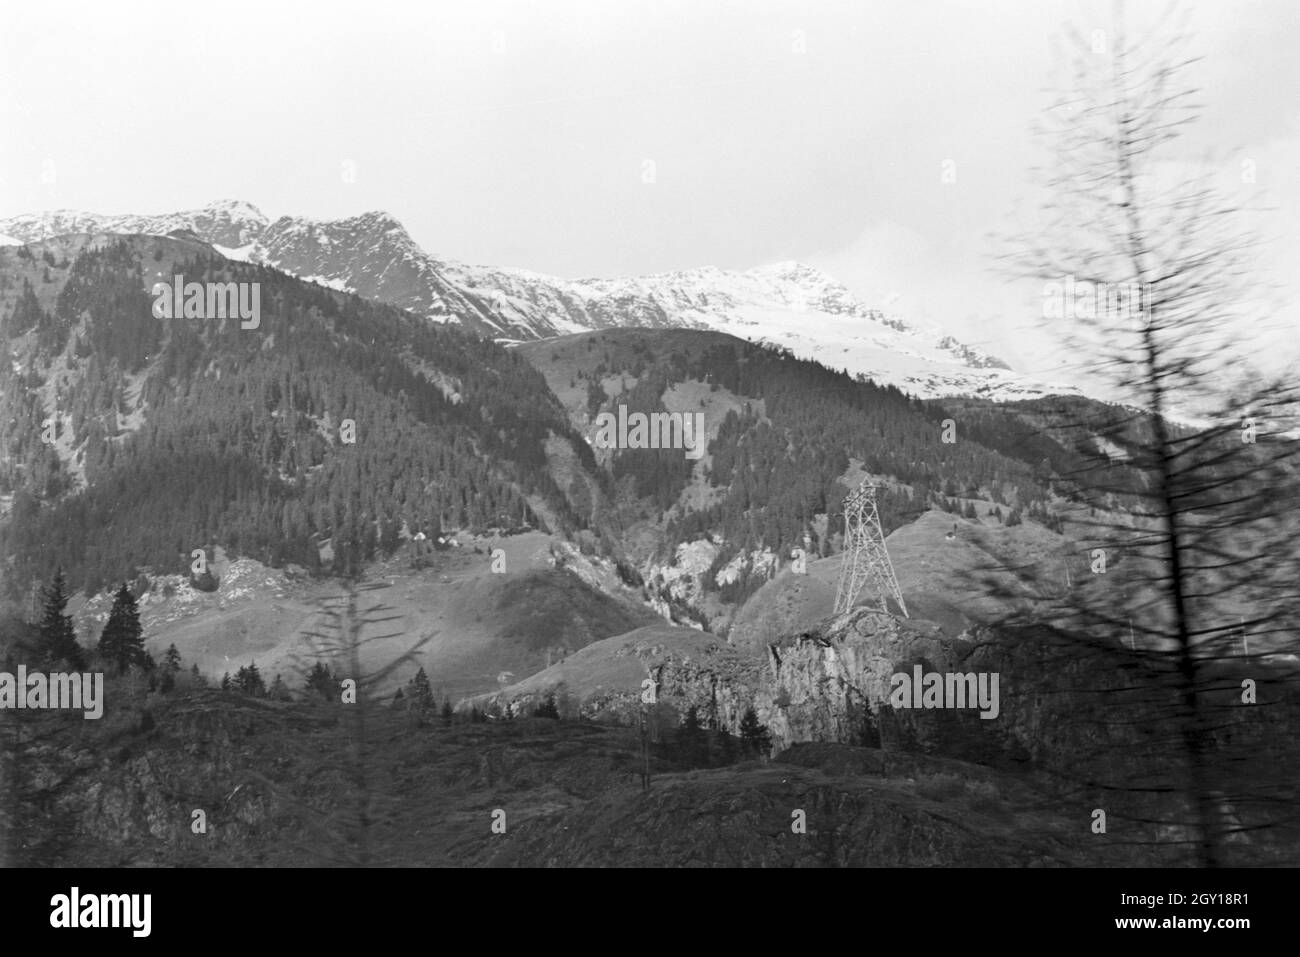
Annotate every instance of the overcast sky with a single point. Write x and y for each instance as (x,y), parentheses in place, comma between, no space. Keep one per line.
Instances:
(522,133)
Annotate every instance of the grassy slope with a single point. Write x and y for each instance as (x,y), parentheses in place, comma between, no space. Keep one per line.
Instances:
(479,623)
(940,577)
(617,664)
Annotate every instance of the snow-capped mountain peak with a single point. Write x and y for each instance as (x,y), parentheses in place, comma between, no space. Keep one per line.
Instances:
(789,304)
(230,223)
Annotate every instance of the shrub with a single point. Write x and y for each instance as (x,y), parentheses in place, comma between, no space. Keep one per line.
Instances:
(985,798)
(547,709)
(205,582)
(940,787)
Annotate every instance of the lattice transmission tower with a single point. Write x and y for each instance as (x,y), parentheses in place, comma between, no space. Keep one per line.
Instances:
(865,557)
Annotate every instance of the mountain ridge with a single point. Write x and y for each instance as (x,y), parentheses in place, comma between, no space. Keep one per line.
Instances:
(788,304)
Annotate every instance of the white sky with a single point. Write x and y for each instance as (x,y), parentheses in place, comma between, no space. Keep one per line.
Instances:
(516,133)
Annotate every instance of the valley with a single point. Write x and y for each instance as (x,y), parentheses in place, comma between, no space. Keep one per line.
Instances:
(629,647)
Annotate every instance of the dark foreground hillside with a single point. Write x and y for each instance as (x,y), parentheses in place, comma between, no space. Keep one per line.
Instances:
(283,784)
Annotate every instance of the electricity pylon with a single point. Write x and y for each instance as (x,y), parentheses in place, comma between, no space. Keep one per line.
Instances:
(865,557)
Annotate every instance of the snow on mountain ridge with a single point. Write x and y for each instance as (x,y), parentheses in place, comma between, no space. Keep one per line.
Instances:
(230,222)
(790,304)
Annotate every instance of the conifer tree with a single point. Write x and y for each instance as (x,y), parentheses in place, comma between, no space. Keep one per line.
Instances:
(691,738)
(726,747)
(347,831)
(122,641)
(57,637)
(250,681)
(420,693)
(26,314)
(754,734)
(1208,533)
(172,659)
(321,680)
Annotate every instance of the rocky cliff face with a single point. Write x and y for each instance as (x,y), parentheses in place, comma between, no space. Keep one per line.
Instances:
(85,802)
(1107,728)
(1079,712)
(829,684)
(1060,700)
(606,680)
(373,256)
(818,683)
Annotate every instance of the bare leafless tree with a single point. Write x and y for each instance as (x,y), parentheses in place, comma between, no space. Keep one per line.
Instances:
(1190,490)
(344,835)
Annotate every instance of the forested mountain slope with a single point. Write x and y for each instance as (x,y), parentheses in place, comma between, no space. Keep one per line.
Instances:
(175,434)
